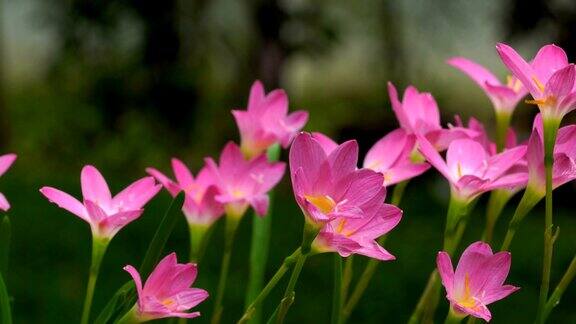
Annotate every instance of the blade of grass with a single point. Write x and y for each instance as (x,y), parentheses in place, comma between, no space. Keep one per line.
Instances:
(5,234)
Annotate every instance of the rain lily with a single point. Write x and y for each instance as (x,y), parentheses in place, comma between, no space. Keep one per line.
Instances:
(504,97)
(242,183)
(391,156)
(418,114)
(471,170)
(266,121)
(564,167)
(327,186)
(347,236)
(167,291)
(549,78)
(105,214)
(200,205)
(477,281)
(6,161)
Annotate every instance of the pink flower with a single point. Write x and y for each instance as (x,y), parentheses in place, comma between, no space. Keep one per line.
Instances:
(200,205)
(391,156)
(105,214)
(471,170)
(478,279)
(266,121)
(347,236)
(504,97)
(519,171)
(6,161)
(327,186)
(243,182)
(167,291)
(418,114)
(549,78)
(564,167)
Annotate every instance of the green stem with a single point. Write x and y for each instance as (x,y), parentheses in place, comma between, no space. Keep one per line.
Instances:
(530,198)
(198,238)
(261,227)
(308,236)
(502,125)
(5,234)
(550,132)
(371,266)
(130,317)
(5,312)
(496,203)
(347,276)
(286,265)
(452,317)
(337,292)
(455,225)
(562,285)
(231,227)
(99,246)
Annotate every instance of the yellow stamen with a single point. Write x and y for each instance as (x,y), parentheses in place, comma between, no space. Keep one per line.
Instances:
(459,169)
(168,302)
(341,226)
(467,300)
(538,83)
(237,193)
(324,203)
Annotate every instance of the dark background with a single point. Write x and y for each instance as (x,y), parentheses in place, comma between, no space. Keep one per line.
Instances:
(126,84)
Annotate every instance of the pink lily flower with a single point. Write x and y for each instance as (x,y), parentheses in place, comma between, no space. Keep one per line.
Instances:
(243,182)
(549,79)
(471,170)
(6,161)
(266,121)
(564,167)
(391,156)
(105,214)
(518,171)
(504,97)
(478,280)
(167,291)
(347,236)
(200,205)
(327,186)
(418,114)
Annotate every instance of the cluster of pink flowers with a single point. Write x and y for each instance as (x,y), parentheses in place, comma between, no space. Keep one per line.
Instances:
(344,205)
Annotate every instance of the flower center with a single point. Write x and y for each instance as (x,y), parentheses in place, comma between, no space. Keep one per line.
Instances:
(513,83)
(467,300)
(324,203)
(545,101)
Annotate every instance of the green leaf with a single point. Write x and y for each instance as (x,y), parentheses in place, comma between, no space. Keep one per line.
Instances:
(126,296)
(5,233)
(259,247)
(5,313)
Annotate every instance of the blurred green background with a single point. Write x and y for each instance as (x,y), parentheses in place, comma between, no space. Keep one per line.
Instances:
(126,84)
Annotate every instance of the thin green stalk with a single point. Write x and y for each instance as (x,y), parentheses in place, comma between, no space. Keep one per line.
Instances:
(99,246)
(455,225)
(471,320)
(286,265)
(502,125)
(562,285)
(347,276)
(198,236)
(308,236)
(452,317)
(129,318)
(5,235)
(371,266)
(5,312)
(231,227)
(261,227)
(337,292)
(496,203)
(550,132)
(530,198)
